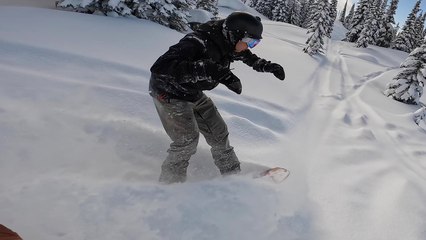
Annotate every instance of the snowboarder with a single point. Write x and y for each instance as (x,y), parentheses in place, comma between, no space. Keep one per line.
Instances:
(200,61)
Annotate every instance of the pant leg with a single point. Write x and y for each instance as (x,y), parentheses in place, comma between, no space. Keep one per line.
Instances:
(180,124)
(214,129)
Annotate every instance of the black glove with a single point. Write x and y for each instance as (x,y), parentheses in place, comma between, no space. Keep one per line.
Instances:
(203,69)
(276,69)
(232,82)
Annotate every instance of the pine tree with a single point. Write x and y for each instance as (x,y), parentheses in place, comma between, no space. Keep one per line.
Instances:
(343,13)
(407,85)
(253,3)
(293,8)
(265,7)
(349,18)
(420,116)
(318,27)
(420,23)
(383,5)
(208,5)
(376,15)
(279,13)
(366,35)
(332,9)
(386,30)
(405,41)
(171,13)
(358,21)
(88,6)
(308,8)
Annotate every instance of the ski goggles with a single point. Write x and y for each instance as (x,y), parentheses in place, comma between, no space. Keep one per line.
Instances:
(251,42)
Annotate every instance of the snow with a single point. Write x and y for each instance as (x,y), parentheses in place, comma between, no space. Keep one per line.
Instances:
(228,6)
(199,16)
(81,144)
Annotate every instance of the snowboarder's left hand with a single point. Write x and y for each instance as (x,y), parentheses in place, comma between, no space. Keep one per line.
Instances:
(276,69)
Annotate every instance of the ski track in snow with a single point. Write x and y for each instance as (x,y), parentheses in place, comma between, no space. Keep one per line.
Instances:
(386,181)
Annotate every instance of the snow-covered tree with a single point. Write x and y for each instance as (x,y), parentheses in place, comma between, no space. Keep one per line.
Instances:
(253,3)
(171,13)
(383,5)
(332,9)
(407,85)
(349,18)
(97,6)
(308,8)
(293,8)
(357,23)
(376,16)
(366,35)
(371,26)
(265,7)
(419,29)
(405,41)
(386,31)
(208,5)
(419,116)
(318,28)
(343,13)
(279,12)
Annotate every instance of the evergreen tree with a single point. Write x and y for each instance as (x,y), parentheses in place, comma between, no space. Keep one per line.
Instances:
(376,15)
(343,13)
(308,8)
(405,41)
(293,8)
(171,13)
(279,12)
(420,116)
(366,35)
(386,31)
(420,23)
(383,5)
(265,7)
(395,33)
(408,84)
(358,21)
(208,5)
(253,3)
(332,9)
(349,18)
(317,28)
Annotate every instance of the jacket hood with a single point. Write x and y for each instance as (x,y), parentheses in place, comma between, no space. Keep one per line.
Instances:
(215,32)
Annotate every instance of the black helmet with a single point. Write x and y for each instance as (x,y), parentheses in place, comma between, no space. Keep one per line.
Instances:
(243,24)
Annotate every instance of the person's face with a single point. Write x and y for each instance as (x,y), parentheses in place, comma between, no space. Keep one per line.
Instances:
(241,46)
(246,43)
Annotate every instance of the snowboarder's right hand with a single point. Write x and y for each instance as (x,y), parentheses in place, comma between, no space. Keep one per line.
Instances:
(232,82)
(207,68)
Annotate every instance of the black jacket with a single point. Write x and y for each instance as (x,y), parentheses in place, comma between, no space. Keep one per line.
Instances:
(173,74)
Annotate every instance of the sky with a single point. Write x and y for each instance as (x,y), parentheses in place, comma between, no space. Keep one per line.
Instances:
(404,8)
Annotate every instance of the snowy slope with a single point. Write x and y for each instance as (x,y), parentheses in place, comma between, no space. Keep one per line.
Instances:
(81,145)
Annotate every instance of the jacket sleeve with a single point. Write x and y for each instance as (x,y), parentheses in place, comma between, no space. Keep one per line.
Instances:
(178,62)
(252,60)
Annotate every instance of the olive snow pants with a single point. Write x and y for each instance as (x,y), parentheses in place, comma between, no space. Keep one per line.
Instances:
(183,121)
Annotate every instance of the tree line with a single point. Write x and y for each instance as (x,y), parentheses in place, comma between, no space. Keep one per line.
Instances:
(171,13)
